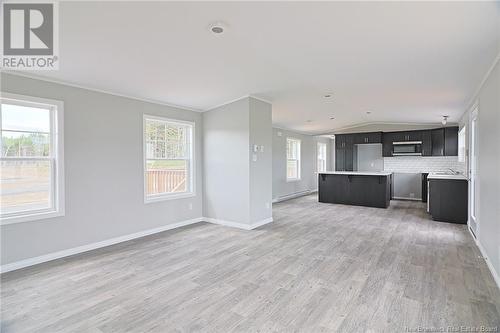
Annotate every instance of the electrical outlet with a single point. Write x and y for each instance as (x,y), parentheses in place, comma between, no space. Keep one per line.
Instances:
(190,206)
(268,205)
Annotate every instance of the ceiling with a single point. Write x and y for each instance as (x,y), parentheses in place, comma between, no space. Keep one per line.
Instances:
(406,62)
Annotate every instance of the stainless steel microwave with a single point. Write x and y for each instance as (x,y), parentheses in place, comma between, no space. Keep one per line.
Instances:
(407,148)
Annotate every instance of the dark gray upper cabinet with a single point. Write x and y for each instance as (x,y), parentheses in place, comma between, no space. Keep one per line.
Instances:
(406,136)
(413,136)
(437,142)
(451,141)
(370,137)
(344,151)
(387,140)
(426,143)
(344,140)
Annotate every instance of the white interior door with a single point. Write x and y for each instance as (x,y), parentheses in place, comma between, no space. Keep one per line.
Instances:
(473,175)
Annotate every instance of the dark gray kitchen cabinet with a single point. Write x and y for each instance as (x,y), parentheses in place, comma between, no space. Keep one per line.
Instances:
(365,138)
(344,159)
(339,159)
(437,142)
(426,143)
(361,190)
(406,136)
(413,136)
(344,152)
(448,200)
(344,140)
(387,139)
(451,141)
(398,136)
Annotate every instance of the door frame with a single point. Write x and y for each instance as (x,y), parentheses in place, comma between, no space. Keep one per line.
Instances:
(472,167)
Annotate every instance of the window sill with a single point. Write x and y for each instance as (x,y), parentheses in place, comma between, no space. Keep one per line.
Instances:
(293,180)
(30,217)
(159,198)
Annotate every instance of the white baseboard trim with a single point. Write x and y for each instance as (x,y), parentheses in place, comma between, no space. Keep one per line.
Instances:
(496,277)
(238,225)
(84,248)
(294,195)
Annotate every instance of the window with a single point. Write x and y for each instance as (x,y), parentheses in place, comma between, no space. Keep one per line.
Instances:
(461,145)
(292,159)
(321,157)
(32,166)
(168,159)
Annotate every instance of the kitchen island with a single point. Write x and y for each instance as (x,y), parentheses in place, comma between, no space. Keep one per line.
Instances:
(372,189)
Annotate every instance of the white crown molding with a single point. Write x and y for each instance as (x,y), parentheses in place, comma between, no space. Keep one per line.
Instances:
(261,99)
(292,130)
(236,100)
(75,85)
(352,126)
(473,99)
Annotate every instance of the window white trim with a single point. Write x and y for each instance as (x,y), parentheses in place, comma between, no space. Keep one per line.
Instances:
(319,146)
(57,138)
(192,169)
(298,159)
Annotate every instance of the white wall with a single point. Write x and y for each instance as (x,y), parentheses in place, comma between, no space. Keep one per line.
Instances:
(237,189)
(103,172)
(308,149)
(226,167)
(488,233)
(261,182)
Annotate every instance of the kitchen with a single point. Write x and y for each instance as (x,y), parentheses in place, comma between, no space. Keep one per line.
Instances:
(426,165)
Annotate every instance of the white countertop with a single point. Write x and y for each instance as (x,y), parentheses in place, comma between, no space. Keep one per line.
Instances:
(446,176)
(357,173)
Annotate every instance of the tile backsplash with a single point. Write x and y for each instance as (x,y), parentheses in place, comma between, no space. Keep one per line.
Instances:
(419,164)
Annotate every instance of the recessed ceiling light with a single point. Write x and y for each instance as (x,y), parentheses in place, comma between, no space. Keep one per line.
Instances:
(329,95)
(332,117)
(368,112)
(217,28)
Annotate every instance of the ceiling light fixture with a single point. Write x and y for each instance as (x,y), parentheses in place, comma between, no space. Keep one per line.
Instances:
(332,117)
(445,120)
(368,112)
(329,95)
(217,28)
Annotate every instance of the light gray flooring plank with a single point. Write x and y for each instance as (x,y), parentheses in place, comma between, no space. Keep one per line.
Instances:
(317,268)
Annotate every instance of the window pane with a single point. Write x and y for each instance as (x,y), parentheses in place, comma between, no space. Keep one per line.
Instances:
(25,185)
(23,118)
(166,176)
(291,169)
(20,144)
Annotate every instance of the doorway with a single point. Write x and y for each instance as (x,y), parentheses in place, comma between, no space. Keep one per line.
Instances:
(473,175)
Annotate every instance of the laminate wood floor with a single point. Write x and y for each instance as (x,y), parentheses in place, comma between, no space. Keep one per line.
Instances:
(317,268)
